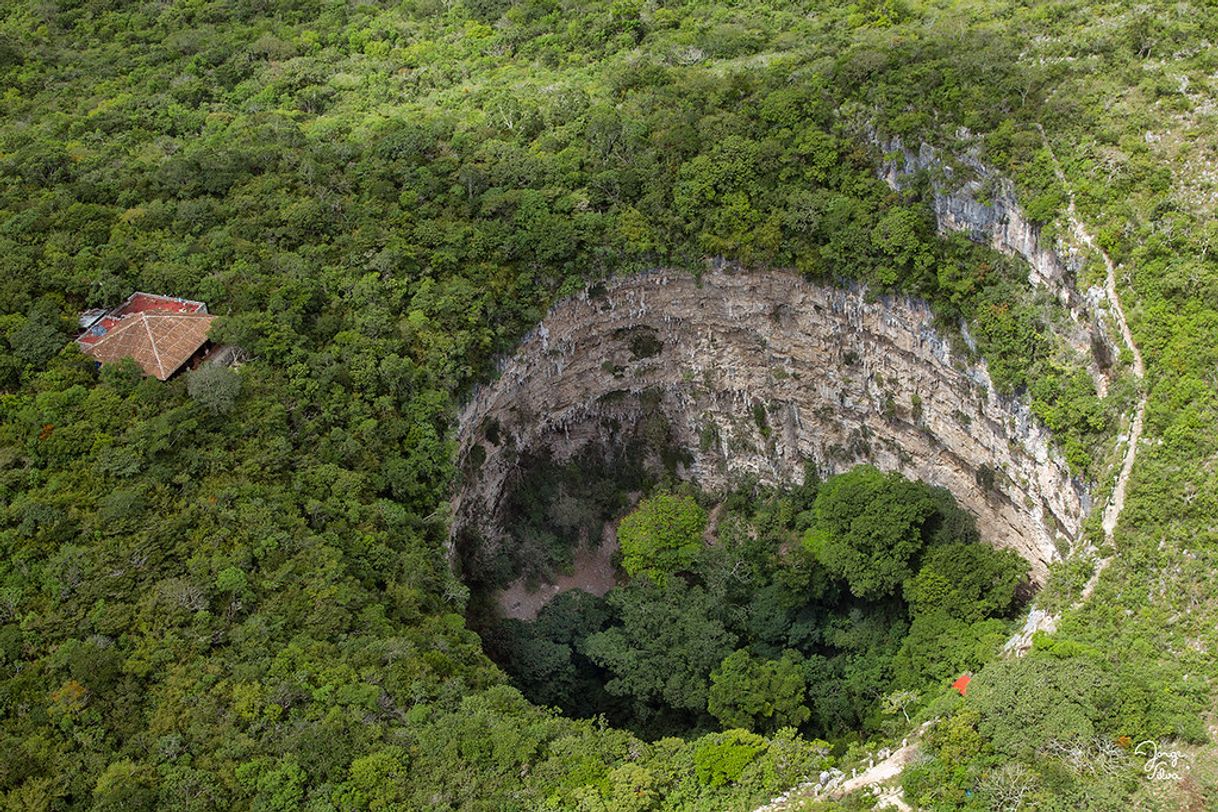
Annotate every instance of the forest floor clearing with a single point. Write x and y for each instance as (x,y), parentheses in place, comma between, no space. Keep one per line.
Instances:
(592,570)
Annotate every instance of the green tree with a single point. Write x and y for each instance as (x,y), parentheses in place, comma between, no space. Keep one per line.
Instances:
(900,702)
(628,788)
(968,581)
(940,648)
(941,780)
(870,529)
(902,237)
(722,758)
(40,336)
(377,781)
(214,387)
(759,695)
(125,786)
(277,787)
(1026,703)
(661,536)
(668,643)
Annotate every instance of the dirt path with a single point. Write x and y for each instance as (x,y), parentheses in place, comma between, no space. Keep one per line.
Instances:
(881,771)
(879,778)
(1116,502)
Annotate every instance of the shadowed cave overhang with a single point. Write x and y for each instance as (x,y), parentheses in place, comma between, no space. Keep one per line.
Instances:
(758,373)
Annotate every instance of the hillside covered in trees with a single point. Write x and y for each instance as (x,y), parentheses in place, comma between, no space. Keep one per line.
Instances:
(233,590)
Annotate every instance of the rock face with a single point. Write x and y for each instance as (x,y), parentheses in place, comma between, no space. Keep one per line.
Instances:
(984,207)
(758,373)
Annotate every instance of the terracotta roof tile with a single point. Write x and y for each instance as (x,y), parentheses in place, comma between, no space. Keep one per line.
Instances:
(159,342)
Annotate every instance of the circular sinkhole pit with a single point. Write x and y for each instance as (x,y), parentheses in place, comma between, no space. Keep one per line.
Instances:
(717,380)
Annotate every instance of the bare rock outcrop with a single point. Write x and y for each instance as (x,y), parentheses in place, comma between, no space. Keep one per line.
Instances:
(758,373)
(971,198)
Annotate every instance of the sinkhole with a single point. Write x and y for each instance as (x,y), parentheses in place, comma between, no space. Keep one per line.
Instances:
(737,398)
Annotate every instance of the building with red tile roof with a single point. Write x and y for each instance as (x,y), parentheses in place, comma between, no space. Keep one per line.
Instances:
(162,333)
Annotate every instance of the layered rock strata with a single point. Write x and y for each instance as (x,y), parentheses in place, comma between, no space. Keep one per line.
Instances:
(758,373)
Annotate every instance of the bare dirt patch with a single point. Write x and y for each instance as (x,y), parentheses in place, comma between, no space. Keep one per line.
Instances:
(710,536)
(592,571)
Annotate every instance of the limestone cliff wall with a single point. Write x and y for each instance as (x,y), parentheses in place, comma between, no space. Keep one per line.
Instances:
(982,204)
(840,380)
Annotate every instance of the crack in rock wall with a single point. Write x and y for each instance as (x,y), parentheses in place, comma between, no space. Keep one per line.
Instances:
(758,373)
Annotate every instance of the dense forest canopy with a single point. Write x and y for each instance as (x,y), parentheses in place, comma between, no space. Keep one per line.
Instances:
(231,590)
(760,626)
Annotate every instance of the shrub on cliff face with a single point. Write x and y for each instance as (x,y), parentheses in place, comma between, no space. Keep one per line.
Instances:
(661,536)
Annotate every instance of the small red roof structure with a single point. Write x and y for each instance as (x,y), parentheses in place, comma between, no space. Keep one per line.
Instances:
(961,683)
(160,332)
